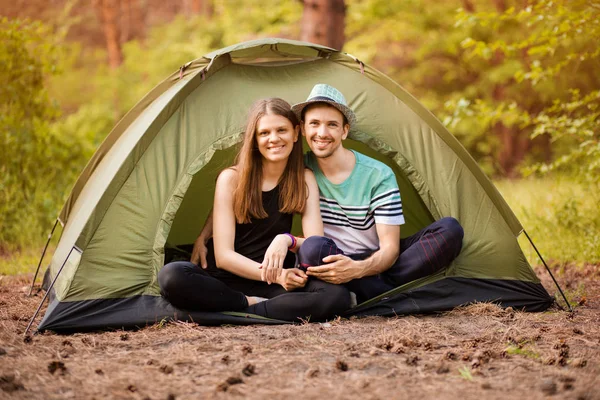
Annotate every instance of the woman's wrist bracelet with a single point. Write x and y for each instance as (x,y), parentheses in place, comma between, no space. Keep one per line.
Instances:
(293,245)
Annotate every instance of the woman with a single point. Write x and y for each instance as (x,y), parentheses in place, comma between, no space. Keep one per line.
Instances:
(254,204)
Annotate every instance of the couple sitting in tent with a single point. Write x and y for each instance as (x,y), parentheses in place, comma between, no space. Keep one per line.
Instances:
(351,215)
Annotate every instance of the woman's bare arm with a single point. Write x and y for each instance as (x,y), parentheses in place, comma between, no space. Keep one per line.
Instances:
(224,230)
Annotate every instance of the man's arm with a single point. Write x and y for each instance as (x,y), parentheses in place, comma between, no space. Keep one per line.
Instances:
(389,250)
(341,269)
(199,251)
(312,224)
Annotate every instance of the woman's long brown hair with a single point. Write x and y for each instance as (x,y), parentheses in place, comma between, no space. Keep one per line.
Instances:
(293,192)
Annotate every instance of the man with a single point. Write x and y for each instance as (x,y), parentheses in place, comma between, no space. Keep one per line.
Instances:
(362,210)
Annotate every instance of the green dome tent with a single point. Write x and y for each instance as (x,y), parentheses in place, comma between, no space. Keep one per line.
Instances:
(150,186)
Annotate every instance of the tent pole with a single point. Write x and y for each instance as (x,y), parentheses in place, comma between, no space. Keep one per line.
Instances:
(47,293)
(550,272)
(42,257)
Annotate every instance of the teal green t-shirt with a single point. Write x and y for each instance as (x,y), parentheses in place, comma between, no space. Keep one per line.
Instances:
(350,210)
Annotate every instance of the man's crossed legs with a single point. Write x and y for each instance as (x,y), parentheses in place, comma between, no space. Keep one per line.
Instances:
(428,251)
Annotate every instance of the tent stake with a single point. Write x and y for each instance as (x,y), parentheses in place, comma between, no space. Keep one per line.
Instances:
(550,272)
(42,257)
(47,292)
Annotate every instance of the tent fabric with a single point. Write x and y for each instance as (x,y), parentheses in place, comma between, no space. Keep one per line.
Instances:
(150,184)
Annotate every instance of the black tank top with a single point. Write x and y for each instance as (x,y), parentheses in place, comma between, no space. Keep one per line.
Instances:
(253,239)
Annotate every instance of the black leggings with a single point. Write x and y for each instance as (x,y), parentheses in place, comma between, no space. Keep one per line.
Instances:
(189,287)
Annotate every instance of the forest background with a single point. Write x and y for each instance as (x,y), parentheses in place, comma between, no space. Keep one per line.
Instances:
(516,82)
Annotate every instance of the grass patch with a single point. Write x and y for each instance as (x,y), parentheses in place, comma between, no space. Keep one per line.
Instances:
(24,261)
(575,296)
(465,373)
(519,350)
(561,216)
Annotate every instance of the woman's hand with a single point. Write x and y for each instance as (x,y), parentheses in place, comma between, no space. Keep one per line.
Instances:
(272,264)
(292,278)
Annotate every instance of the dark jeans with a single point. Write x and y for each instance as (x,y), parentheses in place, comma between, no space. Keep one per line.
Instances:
(189,287)
(428,251)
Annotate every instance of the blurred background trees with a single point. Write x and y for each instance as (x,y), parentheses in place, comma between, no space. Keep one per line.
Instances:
(492,71)
(37,162)
(515,80)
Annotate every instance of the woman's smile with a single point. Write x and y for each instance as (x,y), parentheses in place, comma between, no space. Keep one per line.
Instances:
(276,148)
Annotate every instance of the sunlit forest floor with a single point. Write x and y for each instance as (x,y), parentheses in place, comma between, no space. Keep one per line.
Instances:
(472,352)
(479,351)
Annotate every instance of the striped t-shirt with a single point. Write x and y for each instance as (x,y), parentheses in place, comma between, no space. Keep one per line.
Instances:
(350,210)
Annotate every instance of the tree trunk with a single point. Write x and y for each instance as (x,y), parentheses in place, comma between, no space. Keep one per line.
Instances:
(505,157)
(500,5)
(514,144)
(323,22)
(202,7)
(468,6)
(125,21)
(110,11)
(133,20)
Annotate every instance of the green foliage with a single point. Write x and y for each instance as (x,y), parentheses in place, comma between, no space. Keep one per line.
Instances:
(43,152)
(423,53)
(552,54)
(27,167)
(495,78)
(168,46)
(577,122)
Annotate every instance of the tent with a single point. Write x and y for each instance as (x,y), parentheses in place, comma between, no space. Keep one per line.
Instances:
(149,187)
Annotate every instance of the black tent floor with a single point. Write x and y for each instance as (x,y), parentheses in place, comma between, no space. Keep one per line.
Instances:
(445,294)
(134,313)
(448,293)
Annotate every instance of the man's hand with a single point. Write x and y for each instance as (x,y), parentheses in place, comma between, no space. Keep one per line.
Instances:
(199,252)
(339,269)
(292,278)
(272,264)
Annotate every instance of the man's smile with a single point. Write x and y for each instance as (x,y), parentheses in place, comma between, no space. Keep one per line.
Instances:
(321,142)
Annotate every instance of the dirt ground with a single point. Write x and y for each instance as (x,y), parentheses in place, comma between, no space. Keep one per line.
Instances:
(475,352)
